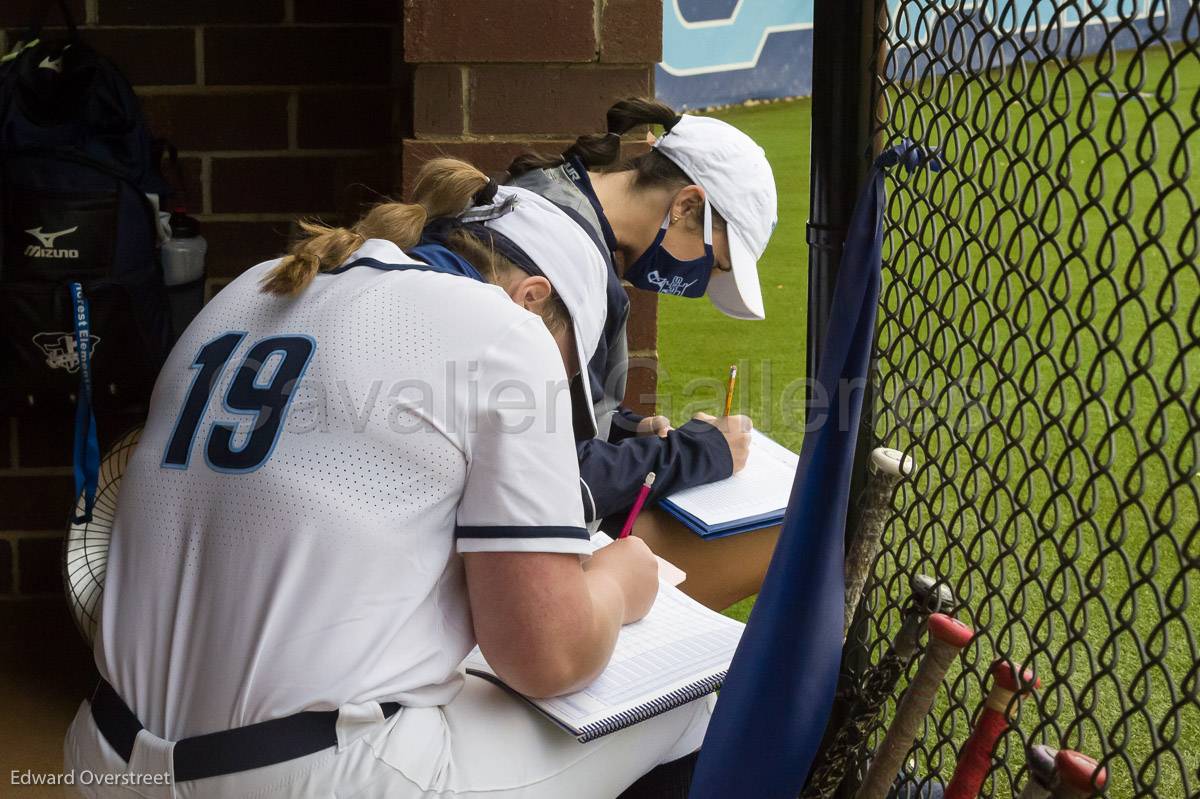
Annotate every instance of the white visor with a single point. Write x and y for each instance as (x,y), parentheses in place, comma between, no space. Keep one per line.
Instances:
(737,293)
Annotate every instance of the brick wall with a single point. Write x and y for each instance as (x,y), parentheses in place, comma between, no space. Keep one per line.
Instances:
(491,79)
(283,108)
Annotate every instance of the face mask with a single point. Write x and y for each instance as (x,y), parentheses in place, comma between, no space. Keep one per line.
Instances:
(658,270)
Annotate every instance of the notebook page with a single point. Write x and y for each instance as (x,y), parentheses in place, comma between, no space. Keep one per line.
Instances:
(763,486)
(674,645)
(678,643)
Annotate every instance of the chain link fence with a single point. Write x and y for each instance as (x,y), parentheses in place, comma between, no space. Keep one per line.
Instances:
(1038,356)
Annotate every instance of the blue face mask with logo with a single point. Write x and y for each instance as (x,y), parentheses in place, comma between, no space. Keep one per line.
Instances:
(657,270)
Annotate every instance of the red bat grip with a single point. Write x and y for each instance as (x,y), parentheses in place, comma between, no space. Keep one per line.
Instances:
(946,638)
(1079,775)
(976,758)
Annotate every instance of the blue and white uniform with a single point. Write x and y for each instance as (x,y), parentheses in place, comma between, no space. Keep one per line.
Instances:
(614,462)
(738,184)
(289,534)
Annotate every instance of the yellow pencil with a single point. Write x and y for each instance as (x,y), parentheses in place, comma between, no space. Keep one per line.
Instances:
(729,389)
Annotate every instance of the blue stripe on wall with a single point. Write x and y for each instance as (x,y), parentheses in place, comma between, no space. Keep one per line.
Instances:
(784,69)
(717,52)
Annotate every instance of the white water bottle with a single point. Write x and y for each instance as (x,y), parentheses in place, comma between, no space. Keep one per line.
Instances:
(183,270)
(183,253)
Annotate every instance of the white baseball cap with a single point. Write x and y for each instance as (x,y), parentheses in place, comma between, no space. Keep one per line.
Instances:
(736,178)
(564,254)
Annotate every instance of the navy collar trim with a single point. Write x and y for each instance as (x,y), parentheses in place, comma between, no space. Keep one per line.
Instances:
(576,172)
(377,264)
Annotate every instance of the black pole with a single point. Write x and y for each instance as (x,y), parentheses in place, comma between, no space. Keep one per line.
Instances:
(842,41)
(842,128)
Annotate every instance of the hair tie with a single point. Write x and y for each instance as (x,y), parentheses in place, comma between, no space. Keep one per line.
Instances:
(485,195)
(613,135)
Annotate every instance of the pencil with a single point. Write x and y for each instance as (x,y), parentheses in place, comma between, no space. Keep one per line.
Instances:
(729,389)
(637,506)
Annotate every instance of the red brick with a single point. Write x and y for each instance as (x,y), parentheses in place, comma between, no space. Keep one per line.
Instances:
(642,330)
(365,181)
(347,118)
(297,55)
(187,191)
(146,56)
(641,386)
(493,157)
(219,121)
(157,12)
(468,31)
(564,100)
(234,247)
(272,185)
(39,566)
(298,184)
(631,31)
(631,149)
(19,13)
(6,564)
(386,11)
(35,503)
(437,100)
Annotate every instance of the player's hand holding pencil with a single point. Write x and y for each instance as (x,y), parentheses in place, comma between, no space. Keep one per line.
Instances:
(667,571)
(631,564)
(736,429)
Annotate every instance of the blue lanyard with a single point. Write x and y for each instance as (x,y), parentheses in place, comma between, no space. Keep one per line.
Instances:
(87,445)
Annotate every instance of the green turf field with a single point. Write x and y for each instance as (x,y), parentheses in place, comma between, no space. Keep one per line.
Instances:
(697,343)
(1066,461)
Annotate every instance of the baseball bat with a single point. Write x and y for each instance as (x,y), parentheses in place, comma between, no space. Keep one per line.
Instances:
(887,467)
(843,746)
(1079,776)
(1040,759)
(975,760)
(947,637)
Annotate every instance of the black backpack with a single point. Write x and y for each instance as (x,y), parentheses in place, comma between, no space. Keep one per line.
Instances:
(79,196)
(76,166)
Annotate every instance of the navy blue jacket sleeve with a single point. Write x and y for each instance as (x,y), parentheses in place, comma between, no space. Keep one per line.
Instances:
(612,473)
(624,424)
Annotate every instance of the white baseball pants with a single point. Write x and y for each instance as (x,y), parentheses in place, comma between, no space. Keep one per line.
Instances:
(485,743)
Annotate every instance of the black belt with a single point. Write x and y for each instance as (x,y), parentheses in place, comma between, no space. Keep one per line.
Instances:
(240,749)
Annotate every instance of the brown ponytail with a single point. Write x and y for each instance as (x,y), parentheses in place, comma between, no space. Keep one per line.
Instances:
(597,150)
(444,187)
(601,151)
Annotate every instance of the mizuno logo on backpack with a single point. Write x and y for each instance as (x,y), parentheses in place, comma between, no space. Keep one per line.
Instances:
(79,203)
(47,248)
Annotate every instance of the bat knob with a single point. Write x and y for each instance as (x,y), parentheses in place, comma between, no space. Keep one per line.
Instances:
(950,630)
(1041,763)
(891,461)
(1007,677)
(1079,772)
(930,594)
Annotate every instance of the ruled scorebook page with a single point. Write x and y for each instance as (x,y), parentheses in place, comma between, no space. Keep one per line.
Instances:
(763,486)
(679,643)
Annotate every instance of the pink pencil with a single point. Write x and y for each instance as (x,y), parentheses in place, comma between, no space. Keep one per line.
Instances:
(637,506)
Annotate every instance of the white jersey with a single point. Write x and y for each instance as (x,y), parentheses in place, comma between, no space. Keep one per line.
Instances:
(288,530)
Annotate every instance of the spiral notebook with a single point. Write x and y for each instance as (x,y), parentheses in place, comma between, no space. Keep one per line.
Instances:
(679,652)
(754,498)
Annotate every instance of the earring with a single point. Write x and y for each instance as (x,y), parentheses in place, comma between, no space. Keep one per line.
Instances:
(674,219)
